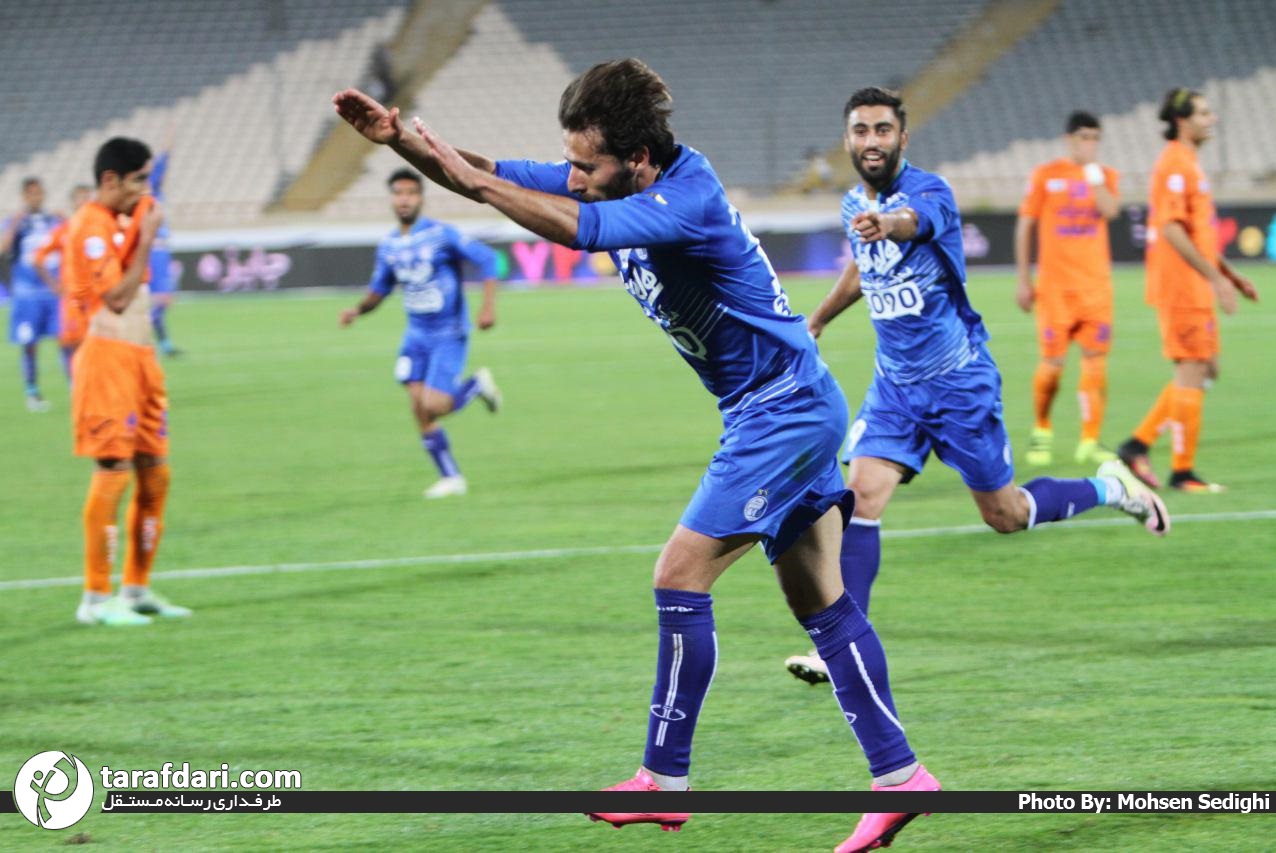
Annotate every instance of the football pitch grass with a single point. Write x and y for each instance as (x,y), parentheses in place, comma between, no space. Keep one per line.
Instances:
(1084,656)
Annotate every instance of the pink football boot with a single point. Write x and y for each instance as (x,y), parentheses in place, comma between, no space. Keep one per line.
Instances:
(641,781)
(877,829)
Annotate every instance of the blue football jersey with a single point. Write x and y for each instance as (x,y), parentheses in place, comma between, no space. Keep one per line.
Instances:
(916,289)
(427,264)
(688,259)
(32,233)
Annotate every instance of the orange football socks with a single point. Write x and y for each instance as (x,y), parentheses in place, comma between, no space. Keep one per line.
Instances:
(1185,421)
(101,530)
(145,523)
(1157,416)
(1092,394)
(1045,383)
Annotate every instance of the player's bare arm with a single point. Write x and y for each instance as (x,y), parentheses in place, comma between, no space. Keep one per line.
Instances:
(1176,235)
(118,298)
(898,225)
(845,293)
(1240,282)
(384,126)
(1105,201)
(486,318)
(1025,295)
(556,218)
(370,301)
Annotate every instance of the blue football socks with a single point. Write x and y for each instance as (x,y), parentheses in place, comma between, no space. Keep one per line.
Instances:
(1055,500)
(857,668)
(436,444)
(861,558)
(468,391)
(687,658)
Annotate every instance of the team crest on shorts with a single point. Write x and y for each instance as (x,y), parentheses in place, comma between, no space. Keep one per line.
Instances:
(756,506)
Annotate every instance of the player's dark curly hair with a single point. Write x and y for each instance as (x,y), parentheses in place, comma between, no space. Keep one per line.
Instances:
(629,105)
(876,96)
(1080,119)
(1177,104)
(404,175)
(120,155)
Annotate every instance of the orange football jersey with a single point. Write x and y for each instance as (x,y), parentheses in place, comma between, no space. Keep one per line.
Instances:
(1072,236)
(1180,193)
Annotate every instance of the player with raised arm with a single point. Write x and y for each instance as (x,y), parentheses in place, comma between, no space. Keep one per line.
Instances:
(425,258)
(33,308)
(119,406)
(688,260)
(1186,275)
(1067,208)
(935,386)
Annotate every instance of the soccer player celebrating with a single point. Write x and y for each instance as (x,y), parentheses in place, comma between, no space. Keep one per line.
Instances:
(684,254)
(1185,275)
(119,408)
(935,387)
(1068,203)
(34,307)
(425,258)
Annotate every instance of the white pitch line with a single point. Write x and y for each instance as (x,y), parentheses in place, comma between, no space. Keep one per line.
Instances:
(598,550)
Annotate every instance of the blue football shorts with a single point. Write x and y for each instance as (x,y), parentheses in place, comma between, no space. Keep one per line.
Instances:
(957,414)
(32,318)
(776,471)
(437,364)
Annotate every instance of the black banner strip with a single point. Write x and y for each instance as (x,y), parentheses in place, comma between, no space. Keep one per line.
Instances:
(693,802)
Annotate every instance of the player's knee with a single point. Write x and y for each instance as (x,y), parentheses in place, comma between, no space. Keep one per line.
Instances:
(870,503)
(668,574)
(1004,519)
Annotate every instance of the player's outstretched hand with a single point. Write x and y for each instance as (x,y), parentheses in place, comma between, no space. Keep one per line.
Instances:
(464,177)
(871,225)
(348,316)
(486,317)
(372,120)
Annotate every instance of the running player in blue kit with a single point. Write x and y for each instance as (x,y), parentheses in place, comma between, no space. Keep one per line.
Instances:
(425,258)
(935,386)
(696,271)
(33,307)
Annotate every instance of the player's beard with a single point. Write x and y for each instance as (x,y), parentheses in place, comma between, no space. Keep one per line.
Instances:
(881,179)
(623,185)
(410,217)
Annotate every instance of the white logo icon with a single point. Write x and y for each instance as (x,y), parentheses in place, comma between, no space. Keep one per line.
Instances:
(755,507)
(53,790)
(668,712)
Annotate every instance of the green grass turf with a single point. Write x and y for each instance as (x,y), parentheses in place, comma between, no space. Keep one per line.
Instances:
(1082,658)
